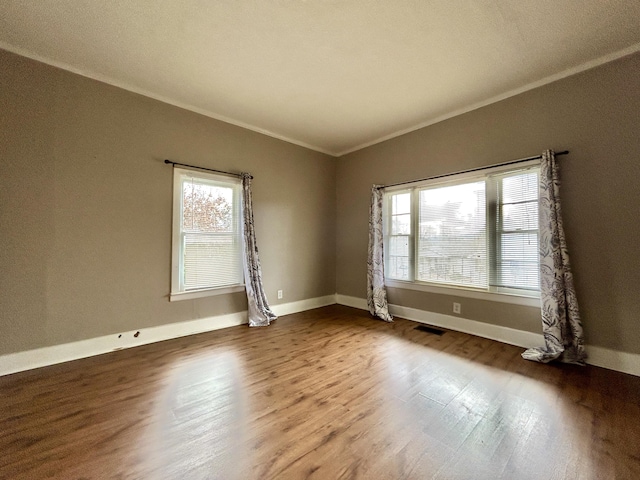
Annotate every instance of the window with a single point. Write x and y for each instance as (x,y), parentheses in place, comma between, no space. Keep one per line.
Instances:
(472,231)
(207,241)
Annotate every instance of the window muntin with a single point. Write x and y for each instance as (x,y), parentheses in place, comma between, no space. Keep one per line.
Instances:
(471,232)
(207,242)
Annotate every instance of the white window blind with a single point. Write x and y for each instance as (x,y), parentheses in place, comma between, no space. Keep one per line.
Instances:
(207,235)
(515,256)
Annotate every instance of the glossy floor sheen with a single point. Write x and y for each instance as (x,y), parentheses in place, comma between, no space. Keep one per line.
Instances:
(325,394)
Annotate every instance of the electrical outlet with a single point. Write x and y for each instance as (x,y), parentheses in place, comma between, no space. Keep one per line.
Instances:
(279,294)
(456,307)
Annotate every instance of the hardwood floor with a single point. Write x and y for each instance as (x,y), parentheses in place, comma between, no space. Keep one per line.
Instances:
(324,394)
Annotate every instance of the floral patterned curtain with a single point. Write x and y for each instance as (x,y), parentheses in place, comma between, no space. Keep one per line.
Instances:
(376,292)
(260,314)
(561,324)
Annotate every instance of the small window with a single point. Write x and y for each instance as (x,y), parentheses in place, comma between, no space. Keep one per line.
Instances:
(473,231)
(207,241)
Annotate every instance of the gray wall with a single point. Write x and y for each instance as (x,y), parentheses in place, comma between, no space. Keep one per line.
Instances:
(85,208)
(595,115)
(85,202)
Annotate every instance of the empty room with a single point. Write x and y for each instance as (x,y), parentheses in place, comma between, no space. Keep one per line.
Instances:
(305,239)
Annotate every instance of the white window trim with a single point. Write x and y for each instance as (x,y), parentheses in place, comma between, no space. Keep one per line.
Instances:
(455,291)
(504,295)
(176,293)
(205,292)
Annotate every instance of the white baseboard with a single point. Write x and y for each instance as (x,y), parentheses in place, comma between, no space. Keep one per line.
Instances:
(520,338)
(511,336)
(598,356)
(302,305)
(613,360)
(354,302)
(42,357)
(16,362)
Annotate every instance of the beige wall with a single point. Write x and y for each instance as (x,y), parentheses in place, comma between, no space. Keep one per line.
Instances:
(595,115)
(85,208)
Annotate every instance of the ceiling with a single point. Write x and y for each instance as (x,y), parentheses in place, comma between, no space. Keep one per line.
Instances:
(330,75)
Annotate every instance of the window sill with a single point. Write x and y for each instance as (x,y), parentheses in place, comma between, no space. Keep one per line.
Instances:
(528,301)
(209,292)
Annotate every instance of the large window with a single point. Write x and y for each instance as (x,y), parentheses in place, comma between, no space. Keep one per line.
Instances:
(207,242)
(469,231)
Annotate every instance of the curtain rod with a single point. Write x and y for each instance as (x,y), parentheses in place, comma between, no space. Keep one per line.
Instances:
(511,162)
(203,168)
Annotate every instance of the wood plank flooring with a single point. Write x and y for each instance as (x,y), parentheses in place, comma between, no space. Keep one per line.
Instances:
(325,394)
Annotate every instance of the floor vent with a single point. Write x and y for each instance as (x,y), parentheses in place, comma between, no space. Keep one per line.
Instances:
(426,328)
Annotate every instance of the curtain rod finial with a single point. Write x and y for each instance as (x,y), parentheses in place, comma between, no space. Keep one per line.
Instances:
(167,161)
